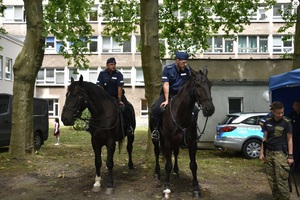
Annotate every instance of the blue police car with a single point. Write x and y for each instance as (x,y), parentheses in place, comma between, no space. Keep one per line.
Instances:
(241,132)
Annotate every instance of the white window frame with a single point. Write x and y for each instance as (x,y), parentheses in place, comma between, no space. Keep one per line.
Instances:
(127,75)
(109,45)
(8,69)
(144,108)
(1,67)
(12,14)
(279,46)
(57,77)
(241,104)
(216,47)
(94,9)
(53,109)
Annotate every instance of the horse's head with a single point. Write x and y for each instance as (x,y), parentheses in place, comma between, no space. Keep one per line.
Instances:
(202,91)
(75,102)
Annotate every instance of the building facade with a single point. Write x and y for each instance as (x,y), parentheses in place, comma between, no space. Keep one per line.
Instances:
(11,47)
(260,40)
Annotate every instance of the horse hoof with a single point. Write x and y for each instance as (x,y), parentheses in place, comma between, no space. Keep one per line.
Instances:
(156,177)
(167,193)
(96,189)
(197,194)
(109,191)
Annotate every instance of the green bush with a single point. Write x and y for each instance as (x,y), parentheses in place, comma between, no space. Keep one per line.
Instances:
(83,123)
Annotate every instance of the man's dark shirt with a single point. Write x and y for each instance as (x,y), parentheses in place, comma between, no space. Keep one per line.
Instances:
(176,78)
(277,131)
(110,82)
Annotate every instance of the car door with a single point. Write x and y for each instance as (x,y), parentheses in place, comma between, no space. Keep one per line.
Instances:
(5,119)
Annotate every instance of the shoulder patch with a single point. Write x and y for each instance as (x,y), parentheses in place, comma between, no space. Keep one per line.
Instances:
(169,66)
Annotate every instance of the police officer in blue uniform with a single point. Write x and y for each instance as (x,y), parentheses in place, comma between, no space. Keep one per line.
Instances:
(174,76)
(111,80)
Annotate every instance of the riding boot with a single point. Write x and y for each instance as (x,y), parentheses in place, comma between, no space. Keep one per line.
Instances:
(155,132)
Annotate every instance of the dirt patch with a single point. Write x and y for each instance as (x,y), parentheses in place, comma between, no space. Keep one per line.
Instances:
(67,172)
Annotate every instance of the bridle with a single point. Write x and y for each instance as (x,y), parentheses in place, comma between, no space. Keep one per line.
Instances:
(77,113)
(184,130)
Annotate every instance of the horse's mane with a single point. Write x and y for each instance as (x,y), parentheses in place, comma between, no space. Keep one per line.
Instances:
(92,88)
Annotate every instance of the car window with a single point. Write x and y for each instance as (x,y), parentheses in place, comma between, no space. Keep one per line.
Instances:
(251,120)
(4,102)
(228,120)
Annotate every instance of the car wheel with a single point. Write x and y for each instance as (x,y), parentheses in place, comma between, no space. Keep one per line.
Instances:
(37,141)
(251,148)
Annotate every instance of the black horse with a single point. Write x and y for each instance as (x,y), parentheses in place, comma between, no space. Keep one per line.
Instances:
(178,126)
(105,123)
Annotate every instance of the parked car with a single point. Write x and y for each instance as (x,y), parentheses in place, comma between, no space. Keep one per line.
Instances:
(40,120)
(241,132)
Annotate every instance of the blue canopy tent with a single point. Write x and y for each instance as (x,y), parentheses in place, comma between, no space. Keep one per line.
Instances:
(285,88)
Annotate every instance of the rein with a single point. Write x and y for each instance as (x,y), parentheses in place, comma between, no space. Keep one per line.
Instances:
(185,130)
(78,114)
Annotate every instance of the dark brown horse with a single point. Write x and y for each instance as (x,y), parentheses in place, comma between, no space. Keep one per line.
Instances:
(105,123)
(178,126)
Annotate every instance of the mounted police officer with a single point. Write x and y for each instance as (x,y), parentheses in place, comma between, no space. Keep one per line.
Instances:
(277,151)
(111,80)
(173,77)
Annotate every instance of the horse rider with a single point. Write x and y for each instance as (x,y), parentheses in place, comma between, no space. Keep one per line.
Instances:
(111,80)
(173,77)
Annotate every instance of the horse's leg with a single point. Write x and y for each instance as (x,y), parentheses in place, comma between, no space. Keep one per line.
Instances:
(111,147)
(157,167)
(193,167)
(130,140)
(176,169)
(98,164)
(168,169)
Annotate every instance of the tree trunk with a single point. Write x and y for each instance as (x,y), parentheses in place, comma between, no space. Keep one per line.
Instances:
(25,68)
(151,63)
(296,60)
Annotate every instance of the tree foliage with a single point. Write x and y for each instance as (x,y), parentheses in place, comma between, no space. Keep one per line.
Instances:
(199,20)
(67,21)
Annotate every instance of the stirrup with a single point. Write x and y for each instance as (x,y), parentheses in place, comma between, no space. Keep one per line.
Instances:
(155,135)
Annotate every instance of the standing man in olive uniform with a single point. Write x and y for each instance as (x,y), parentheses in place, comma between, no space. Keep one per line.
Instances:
(277,151)
(174,76)
(111,80)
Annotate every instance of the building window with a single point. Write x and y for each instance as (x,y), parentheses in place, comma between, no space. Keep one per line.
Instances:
(50,77)
(218,44)
(93,14)
(93,45)
(139,78)
(126,75)
(260,14)
(8,69)
(50,42)
(1,67)
(235,105)
(53,107)
(109,45)
(263,44)
(137,43)
(73,75)
(252,44)
(144,107)
(280,9)
(14,14)
(280,46)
